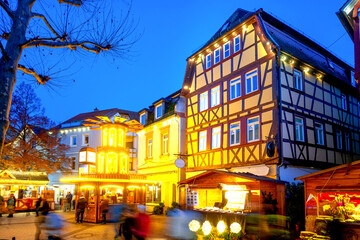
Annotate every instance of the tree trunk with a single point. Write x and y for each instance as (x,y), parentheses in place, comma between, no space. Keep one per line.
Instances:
(9,62)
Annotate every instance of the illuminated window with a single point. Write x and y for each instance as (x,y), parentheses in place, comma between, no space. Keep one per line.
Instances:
(101,163)
(298,82)
(215,96)
(142,119)
(319,133)
(343,102)
(112,137)
(204,101)
(237,43)
(251,80)
(165,144)
(226,50)
(149,148)
(299,129)
(123,163)
(85,139)
(121,138)
(73,141)
(347,141)
(234,133)
(111,163)
(208,61)
(215,137)
(158,111)
(339,139)
(235,88)
(105,137)
(253,129)
(217,56)
(202,140)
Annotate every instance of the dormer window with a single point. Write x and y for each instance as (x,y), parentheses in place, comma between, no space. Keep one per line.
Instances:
(158,111)
(142,119)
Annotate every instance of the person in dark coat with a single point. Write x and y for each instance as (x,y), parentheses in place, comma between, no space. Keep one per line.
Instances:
(37,206)
(104,206)
(11,205)
(81,205)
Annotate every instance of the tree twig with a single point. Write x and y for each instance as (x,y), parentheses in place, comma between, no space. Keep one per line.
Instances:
(96,48)
(76,3)
(7,9)
(41,79)
(47,23)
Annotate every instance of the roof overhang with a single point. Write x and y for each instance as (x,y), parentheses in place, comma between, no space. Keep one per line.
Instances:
(345,15)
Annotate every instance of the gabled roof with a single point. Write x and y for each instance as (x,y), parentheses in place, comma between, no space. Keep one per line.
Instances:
(345,14)
(248,176)
(108,113)
(10,177)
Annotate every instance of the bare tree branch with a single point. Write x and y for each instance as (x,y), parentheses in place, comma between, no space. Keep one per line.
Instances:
(3,51)
(41,79)
(89,46)
(47,23)
(7,9)
(32,40)
(77,3)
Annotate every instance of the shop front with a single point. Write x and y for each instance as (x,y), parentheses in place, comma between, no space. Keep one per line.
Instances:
(232,199)
(332,202)
(27,187)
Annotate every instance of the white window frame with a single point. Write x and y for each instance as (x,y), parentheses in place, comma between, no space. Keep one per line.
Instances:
(217,54)
(347,141)
(157,109)
(234,129)
(234,83)
(253,125)
(215,137)
(165,144)
(339,143)
(299,129)
(149,148)
(142,116)
(208,61)
(298,80)
(215,96)
(71,140)
(225,52)
(83,139)
(319,133)
(204,101)
(239,44)
(202,140)
(249,79)
(343,102)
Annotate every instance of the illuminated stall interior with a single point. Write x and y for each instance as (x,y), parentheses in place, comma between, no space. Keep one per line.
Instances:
(105,173)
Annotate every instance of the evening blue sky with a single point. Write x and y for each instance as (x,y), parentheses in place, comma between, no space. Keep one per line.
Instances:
(172,30)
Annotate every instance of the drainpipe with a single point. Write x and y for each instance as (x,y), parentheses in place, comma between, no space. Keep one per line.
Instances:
(356,14)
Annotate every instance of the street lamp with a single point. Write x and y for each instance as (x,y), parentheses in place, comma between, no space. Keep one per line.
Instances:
(87,160)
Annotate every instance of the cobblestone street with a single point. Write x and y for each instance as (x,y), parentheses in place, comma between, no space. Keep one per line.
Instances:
(22,227)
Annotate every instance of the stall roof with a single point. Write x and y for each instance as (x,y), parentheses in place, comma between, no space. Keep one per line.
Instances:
(246,175)
(9,177)
(347,165)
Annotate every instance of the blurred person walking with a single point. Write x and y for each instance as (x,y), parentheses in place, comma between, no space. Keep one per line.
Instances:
(44,208)
(141,223)
(37,206)
(11,205)
(67,202)
(80,206)
(117,214)
(2,201)
(104,206)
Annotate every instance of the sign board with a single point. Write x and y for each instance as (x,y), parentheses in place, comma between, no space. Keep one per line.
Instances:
(180,163)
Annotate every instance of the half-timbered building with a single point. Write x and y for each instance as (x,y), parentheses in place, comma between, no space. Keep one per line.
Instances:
(264,98)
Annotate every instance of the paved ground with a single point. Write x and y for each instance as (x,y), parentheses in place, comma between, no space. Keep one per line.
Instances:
(22,227)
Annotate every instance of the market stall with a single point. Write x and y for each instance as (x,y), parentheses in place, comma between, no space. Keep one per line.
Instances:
(26,187)
(332,202)
(229,198)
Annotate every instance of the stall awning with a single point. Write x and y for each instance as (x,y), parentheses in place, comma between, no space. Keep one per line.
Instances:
(24,178)
(108,178)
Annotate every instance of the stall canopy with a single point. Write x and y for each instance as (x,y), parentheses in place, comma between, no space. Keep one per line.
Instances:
(21,178)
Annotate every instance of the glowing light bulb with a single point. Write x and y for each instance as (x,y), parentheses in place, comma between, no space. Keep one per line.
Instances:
(194,225)
(283,58)
(235,227)
(221,226)
(206,228)
(216,45)
(292,62)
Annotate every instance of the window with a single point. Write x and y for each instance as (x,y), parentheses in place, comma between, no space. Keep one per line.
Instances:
(215,137)
(142,119)
(73,141)
(339,139)
(298,84)
(202,140)
(347,141)
(85,139)
(358,109)
(215,96)
(226,50)
(319,133)
(234,133)
(237,43)
(251,80)
(217,56)
(343,102)
(204,101)
(73,163)
(165,144)
(208,61)
(235,88)
(158,111)
(149,148)
(299,129)
(253,129)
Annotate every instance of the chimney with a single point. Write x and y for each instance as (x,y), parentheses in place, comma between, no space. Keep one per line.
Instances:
(96,109)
